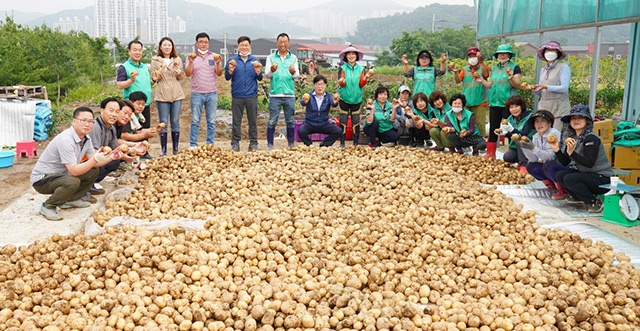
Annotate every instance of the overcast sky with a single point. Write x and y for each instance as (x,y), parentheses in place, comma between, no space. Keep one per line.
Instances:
(49,6)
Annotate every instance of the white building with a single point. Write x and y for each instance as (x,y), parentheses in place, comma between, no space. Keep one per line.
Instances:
(153,20)
(67,24)
(116,18)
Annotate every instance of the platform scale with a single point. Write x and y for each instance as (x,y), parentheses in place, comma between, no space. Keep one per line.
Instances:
(621,208)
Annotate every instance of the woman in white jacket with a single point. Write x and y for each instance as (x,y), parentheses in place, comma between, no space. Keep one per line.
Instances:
(539,152)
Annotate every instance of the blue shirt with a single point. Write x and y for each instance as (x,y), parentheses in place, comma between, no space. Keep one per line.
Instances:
(244,81)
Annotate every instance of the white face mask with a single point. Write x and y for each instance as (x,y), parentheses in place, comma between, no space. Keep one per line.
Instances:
(456,109)
(503,61)
(550,56)
(473,61)
(203,52)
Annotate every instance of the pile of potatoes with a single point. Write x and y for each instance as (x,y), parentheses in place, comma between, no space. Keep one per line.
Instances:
(320,239)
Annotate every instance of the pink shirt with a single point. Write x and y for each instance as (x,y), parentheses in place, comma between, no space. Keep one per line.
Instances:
(203,76)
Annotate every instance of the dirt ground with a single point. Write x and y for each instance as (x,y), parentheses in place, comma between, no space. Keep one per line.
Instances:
(19,202)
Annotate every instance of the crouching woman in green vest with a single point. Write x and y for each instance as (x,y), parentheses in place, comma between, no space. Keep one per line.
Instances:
(461,127)
(380,117)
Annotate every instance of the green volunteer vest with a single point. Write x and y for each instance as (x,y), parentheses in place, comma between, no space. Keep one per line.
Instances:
(383,116)
(440,115)
(472,90)
(464,121)
(501,90)
(519,125)
(282,81)
(424,80)
(142,83)
(352,92)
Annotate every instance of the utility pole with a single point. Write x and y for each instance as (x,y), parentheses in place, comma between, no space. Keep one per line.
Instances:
(225,48)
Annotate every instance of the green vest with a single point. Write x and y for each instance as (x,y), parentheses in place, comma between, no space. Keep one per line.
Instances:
(282,80)
(142,83)
(439,114)
(383,116)
(424,116)
(352,92)
(519,125)
(424,80)
(464,122)
(472,90)
(501,89)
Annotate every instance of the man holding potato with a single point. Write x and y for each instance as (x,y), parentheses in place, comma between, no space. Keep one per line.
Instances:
(203,67)
(282,71)
(244,71)
(68,166)
(133,75)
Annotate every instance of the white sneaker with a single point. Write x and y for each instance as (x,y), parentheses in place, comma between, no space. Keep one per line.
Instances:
(75,204)
(49,213)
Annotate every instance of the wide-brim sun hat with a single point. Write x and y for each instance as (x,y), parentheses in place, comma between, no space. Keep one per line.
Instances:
(343,53)
(545,114)
(578,110)
(551,44)
(504,48)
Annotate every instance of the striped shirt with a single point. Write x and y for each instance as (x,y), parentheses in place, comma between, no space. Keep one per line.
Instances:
(203,76)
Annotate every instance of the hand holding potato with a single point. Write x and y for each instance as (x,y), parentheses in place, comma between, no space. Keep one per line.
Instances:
(370,73)
(192,57)
(103,154)
(404,59)
(306,97)
(274,67)
(134,75)
(217,58)
(336,97)
(257,66)
(292,69)
(231,66)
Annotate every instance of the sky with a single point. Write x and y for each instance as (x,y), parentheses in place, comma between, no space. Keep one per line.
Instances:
(49,6)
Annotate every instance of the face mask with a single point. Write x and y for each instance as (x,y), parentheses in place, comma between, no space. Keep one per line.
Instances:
(473,61)
(456,109)
(503,61)
(203,52)
(550,56)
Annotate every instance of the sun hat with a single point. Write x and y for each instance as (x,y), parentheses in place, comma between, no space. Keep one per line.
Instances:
(547,115)
(404,88)
(343,53)
(504,48)
(551,44)
(578,110)
(473,50)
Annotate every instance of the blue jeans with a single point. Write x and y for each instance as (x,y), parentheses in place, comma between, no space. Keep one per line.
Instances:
(168,110)
(210,103)
(288,105)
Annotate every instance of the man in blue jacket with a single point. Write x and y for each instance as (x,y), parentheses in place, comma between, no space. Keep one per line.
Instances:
(244,70)
(318,103)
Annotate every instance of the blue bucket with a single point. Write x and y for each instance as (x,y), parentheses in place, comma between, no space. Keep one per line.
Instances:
(6,158)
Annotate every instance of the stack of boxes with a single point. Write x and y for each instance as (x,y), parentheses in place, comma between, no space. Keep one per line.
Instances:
(604,130)
(623,158)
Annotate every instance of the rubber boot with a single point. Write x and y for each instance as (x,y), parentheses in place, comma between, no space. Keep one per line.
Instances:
(290,136)
(561,195)
(491,150)
(342,138)
(549,184)
(270,133)
(163,144)
(175,138)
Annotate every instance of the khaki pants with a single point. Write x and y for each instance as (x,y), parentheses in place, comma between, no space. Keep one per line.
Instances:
(65,188)
(439,137)
(481,113)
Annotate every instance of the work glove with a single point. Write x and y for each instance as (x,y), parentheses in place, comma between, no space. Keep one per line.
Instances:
(506,128)
(101,156)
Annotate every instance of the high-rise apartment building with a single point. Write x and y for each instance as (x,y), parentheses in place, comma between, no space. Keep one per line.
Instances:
(153,20)
(116,18)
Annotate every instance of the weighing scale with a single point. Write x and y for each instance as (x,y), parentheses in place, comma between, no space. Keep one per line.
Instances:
(621,208)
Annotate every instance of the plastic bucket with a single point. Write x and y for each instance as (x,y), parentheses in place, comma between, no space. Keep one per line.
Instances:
(6,158)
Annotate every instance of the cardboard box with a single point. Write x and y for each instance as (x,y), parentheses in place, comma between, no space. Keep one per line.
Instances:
(607,149)
(631,179)
(626,157)
(604,130)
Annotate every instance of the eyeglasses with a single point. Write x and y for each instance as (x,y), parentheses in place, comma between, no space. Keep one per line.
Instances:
(84,121)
